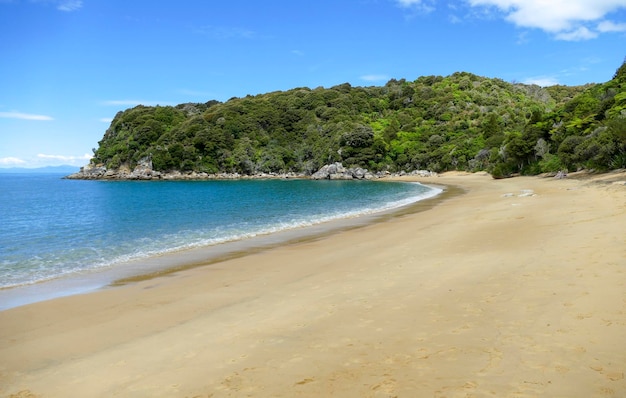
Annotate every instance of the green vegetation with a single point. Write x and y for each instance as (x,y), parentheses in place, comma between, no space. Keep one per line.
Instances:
(458,122)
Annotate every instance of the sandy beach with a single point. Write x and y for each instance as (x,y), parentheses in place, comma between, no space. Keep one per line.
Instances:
(516,288)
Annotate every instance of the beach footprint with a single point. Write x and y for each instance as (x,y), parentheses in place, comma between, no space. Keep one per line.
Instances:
(24,394)
(386,388)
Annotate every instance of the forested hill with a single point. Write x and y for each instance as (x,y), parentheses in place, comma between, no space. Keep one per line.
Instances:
(458,122)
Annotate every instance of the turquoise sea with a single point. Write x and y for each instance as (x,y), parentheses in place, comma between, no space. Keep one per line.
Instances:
(53,228)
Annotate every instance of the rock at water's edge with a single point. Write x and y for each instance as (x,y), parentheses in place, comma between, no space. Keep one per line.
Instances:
(336,171)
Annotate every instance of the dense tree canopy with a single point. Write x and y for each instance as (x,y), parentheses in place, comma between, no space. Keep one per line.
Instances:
(460,122)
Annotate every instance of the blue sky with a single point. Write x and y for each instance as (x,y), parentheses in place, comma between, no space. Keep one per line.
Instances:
(68,66)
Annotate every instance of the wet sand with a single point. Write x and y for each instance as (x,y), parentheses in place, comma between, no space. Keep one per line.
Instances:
(516,288)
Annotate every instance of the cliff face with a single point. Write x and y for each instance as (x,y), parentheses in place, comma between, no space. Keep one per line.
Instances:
(143,171)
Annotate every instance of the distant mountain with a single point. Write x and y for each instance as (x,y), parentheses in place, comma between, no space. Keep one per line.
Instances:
(65,169)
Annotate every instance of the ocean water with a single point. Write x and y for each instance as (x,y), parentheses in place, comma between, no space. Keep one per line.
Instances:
(53,228)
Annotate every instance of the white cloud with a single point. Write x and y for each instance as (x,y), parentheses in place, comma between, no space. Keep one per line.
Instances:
(522,38)
(581,33)
(42,160)
(10,161)
(420,5)
(374,78)
(566,19)
(542,81)
(608,26)
(61,5)
(454,19)
(409,3)
(106,119)
(64,158)
(69,5)
(24,116)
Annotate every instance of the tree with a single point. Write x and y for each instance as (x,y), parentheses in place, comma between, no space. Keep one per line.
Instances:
(518,150)
(620,73)
(567,151)
(461,121)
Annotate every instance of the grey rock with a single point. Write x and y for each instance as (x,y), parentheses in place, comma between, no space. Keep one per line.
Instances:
(336,171)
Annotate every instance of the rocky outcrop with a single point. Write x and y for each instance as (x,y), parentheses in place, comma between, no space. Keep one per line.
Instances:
(419,173)
(145,171)
(89,172)
(336,171)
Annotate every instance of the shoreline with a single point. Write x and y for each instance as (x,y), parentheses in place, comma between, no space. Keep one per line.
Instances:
(516,288)
(245,247)
(166,263)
